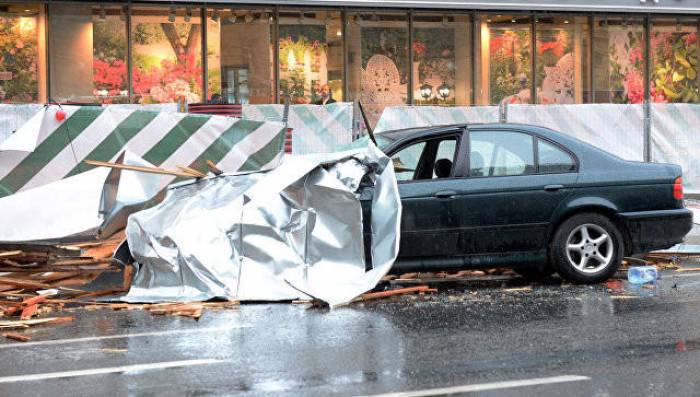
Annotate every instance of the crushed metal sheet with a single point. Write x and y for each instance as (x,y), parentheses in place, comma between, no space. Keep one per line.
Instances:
(294,232)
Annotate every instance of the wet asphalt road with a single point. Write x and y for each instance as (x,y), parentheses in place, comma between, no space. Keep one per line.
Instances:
(618,342)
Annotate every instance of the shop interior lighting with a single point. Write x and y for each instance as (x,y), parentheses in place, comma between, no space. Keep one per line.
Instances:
(445,21)
(188,14)
(443,91)
(566,21)
(232,17)
(248,18)
(171,17)
(339,33)
(513,20)
(215,15)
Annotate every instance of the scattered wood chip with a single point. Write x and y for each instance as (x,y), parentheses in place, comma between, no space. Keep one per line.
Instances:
(688,269)
(16,336)
(29,312)
(399,291)
(521,289)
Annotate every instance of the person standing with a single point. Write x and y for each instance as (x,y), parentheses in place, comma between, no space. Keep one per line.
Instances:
(326,96)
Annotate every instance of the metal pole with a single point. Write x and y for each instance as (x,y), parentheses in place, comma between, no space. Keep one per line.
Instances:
(344,40)
(475,38)
(276,52)
(410,58)
(533,61)
(647,95)
(205,63)
(129,61)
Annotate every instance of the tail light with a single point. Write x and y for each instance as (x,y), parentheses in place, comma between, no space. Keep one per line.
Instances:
(678,188)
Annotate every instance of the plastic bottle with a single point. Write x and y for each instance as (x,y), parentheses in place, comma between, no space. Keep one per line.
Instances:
(642,274)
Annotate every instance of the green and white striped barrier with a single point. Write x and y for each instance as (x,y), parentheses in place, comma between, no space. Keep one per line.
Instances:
(315,128)
(58,148)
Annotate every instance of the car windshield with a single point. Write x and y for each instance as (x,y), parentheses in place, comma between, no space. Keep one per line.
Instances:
(383,141)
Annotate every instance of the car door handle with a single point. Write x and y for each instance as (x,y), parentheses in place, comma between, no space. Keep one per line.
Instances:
(553,188)
(445,194)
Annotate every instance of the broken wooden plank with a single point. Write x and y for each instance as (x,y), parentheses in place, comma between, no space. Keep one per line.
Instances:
(213,168)
(191,171)
(16,336)
(138,168)
(392,292)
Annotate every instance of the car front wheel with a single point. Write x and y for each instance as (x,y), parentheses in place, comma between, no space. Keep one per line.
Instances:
(587,248)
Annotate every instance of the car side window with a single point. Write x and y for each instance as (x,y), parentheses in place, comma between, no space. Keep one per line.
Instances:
(552,159)
(406,161)
(429,159)
(500,153)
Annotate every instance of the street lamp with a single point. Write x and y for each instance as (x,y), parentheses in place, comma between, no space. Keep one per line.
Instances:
(426,90)
(443,91)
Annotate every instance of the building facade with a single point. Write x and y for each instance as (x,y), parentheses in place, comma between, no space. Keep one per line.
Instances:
(432,52)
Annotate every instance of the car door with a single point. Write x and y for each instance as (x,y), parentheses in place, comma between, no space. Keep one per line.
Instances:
(425,172)
(508,202)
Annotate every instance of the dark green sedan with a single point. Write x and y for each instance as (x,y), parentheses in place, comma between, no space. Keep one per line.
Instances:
(528,197)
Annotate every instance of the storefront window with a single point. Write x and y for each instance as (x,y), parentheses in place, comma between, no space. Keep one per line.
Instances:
(674,59)
(22,49)
(561,53)
(378,60)
(505,61)
(618,51)
(239,56)
(441,59)
(311,56)
(88,53)
(166,54)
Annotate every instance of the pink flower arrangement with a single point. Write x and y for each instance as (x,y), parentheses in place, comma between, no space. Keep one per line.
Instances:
(634,86)
(169,81)
(419,47)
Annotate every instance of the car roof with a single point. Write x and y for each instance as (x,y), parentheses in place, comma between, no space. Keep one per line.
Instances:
(580,148)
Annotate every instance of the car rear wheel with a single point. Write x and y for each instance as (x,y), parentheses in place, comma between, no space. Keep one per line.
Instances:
(587,248)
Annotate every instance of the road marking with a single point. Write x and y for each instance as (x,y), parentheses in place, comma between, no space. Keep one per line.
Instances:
(134,335)
(107,370)
(486,386)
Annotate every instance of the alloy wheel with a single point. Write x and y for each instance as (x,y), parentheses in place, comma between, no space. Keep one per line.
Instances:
(589,248)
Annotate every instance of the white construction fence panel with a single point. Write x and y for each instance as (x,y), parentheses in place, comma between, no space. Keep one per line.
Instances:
(675,138)
(616,128)
(400,117)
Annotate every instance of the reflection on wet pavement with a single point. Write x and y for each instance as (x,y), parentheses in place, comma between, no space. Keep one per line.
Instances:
(627,339)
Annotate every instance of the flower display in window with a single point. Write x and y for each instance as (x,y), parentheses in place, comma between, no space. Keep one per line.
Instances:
(509,65)
(18,59)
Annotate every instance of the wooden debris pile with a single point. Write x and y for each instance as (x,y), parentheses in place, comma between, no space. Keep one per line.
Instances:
(38,279)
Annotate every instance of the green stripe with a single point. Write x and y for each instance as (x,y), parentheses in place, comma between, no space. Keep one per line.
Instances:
(177,136)
(264,155)
(48,149)
(223,144)
(117,139)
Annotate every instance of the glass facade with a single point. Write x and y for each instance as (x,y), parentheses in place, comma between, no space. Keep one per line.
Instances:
(618,48)
(442,59)
(114,53)
(22,53)
(310,56)
(378,60)
(240,57)
(166,55)
(505,59)
(88,54)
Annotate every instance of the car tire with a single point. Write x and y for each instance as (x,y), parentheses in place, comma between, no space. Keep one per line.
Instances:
(586,248)
(535,272)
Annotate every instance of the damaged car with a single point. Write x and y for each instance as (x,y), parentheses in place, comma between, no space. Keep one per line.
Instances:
(540,201)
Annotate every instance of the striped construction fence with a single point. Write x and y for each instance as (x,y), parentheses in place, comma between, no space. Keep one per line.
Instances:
(234,110)
(317,129)
(163,139)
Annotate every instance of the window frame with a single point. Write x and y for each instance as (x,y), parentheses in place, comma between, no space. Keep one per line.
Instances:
(457,161)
